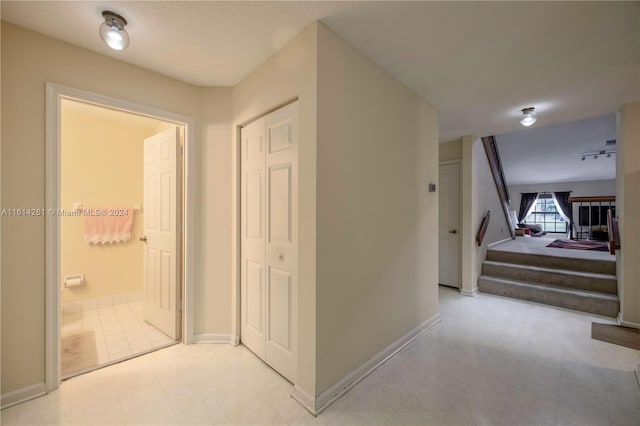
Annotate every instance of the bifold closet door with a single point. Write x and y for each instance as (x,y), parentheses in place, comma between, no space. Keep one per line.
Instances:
(269,252)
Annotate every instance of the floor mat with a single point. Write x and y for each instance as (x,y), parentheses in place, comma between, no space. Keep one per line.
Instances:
(580,245)
(79,352)
(622,336)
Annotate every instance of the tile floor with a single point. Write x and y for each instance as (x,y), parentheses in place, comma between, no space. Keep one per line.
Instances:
(120,330)
(490,361)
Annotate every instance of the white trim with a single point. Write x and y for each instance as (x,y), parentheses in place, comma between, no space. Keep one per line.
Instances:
(214,338)
(23,394)
(189,228)
(307,400)
(471,293)
(447,162)
(625,323)
(326,398)
(52,236)
(54,94)
(499,242)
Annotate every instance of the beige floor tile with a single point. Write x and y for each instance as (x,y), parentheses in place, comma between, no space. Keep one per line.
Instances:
(491,360)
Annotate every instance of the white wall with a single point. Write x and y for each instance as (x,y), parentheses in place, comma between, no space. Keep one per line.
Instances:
(484,197)
(376,221)
(578,189)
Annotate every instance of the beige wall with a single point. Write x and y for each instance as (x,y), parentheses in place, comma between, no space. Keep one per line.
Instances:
(450,150)
(628,211)
(29,60)
(290,74)
(101,161)
(376,221)
(213,292)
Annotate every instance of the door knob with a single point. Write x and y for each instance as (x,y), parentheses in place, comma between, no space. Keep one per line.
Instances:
(143,239)
(455,231)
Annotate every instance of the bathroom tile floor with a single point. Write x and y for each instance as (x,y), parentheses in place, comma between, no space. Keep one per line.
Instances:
(490,360)
(120,331)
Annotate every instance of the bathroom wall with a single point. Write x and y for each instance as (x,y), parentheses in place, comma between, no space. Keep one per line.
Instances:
(101,167)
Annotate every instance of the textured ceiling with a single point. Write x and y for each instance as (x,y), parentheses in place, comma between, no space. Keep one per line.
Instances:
(478,63)
(552,154)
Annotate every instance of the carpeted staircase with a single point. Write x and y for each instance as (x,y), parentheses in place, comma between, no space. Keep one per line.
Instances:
(582,284)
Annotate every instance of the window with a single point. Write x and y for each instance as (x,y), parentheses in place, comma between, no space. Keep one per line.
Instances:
(545,213)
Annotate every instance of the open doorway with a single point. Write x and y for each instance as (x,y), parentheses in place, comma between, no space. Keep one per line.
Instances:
(127,281)
(107,269)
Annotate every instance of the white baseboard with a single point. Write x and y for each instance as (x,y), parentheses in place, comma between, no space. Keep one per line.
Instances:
(307,400)
(625,323)
(23,394)
(471,293)
(326,398)
(499,242)
(235,340)
(214,338)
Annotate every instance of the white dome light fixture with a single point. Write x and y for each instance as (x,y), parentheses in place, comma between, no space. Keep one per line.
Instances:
(112,30)
(529,116)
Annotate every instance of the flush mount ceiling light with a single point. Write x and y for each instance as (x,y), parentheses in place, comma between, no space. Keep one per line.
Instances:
(529,116)
(112,30)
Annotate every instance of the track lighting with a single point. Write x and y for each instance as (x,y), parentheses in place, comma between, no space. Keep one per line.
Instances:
(597,154)
(112,30)
(529,116)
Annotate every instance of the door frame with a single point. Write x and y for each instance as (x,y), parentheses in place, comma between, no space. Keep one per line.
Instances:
(53,310)
(460,224)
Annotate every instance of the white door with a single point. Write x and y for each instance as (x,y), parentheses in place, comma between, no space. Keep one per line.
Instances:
(253,245)
(449,226)
(269,223)
(160,232)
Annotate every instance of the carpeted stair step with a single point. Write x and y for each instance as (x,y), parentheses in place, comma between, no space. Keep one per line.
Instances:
(596,266)
(590,281)
(586,301)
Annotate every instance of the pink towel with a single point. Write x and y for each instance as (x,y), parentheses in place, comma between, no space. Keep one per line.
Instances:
(109,225)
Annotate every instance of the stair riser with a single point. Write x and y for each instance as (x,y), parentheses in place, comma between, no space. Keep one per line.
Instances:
(541,295)
(601,285)
(583,265)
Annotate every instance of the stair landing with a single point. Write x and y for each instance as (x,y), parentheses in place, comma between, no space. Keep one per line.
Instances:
(526,269)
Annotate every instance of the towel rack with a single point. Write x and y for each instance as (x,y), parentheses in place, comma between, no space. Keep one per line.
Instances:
(77,205)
